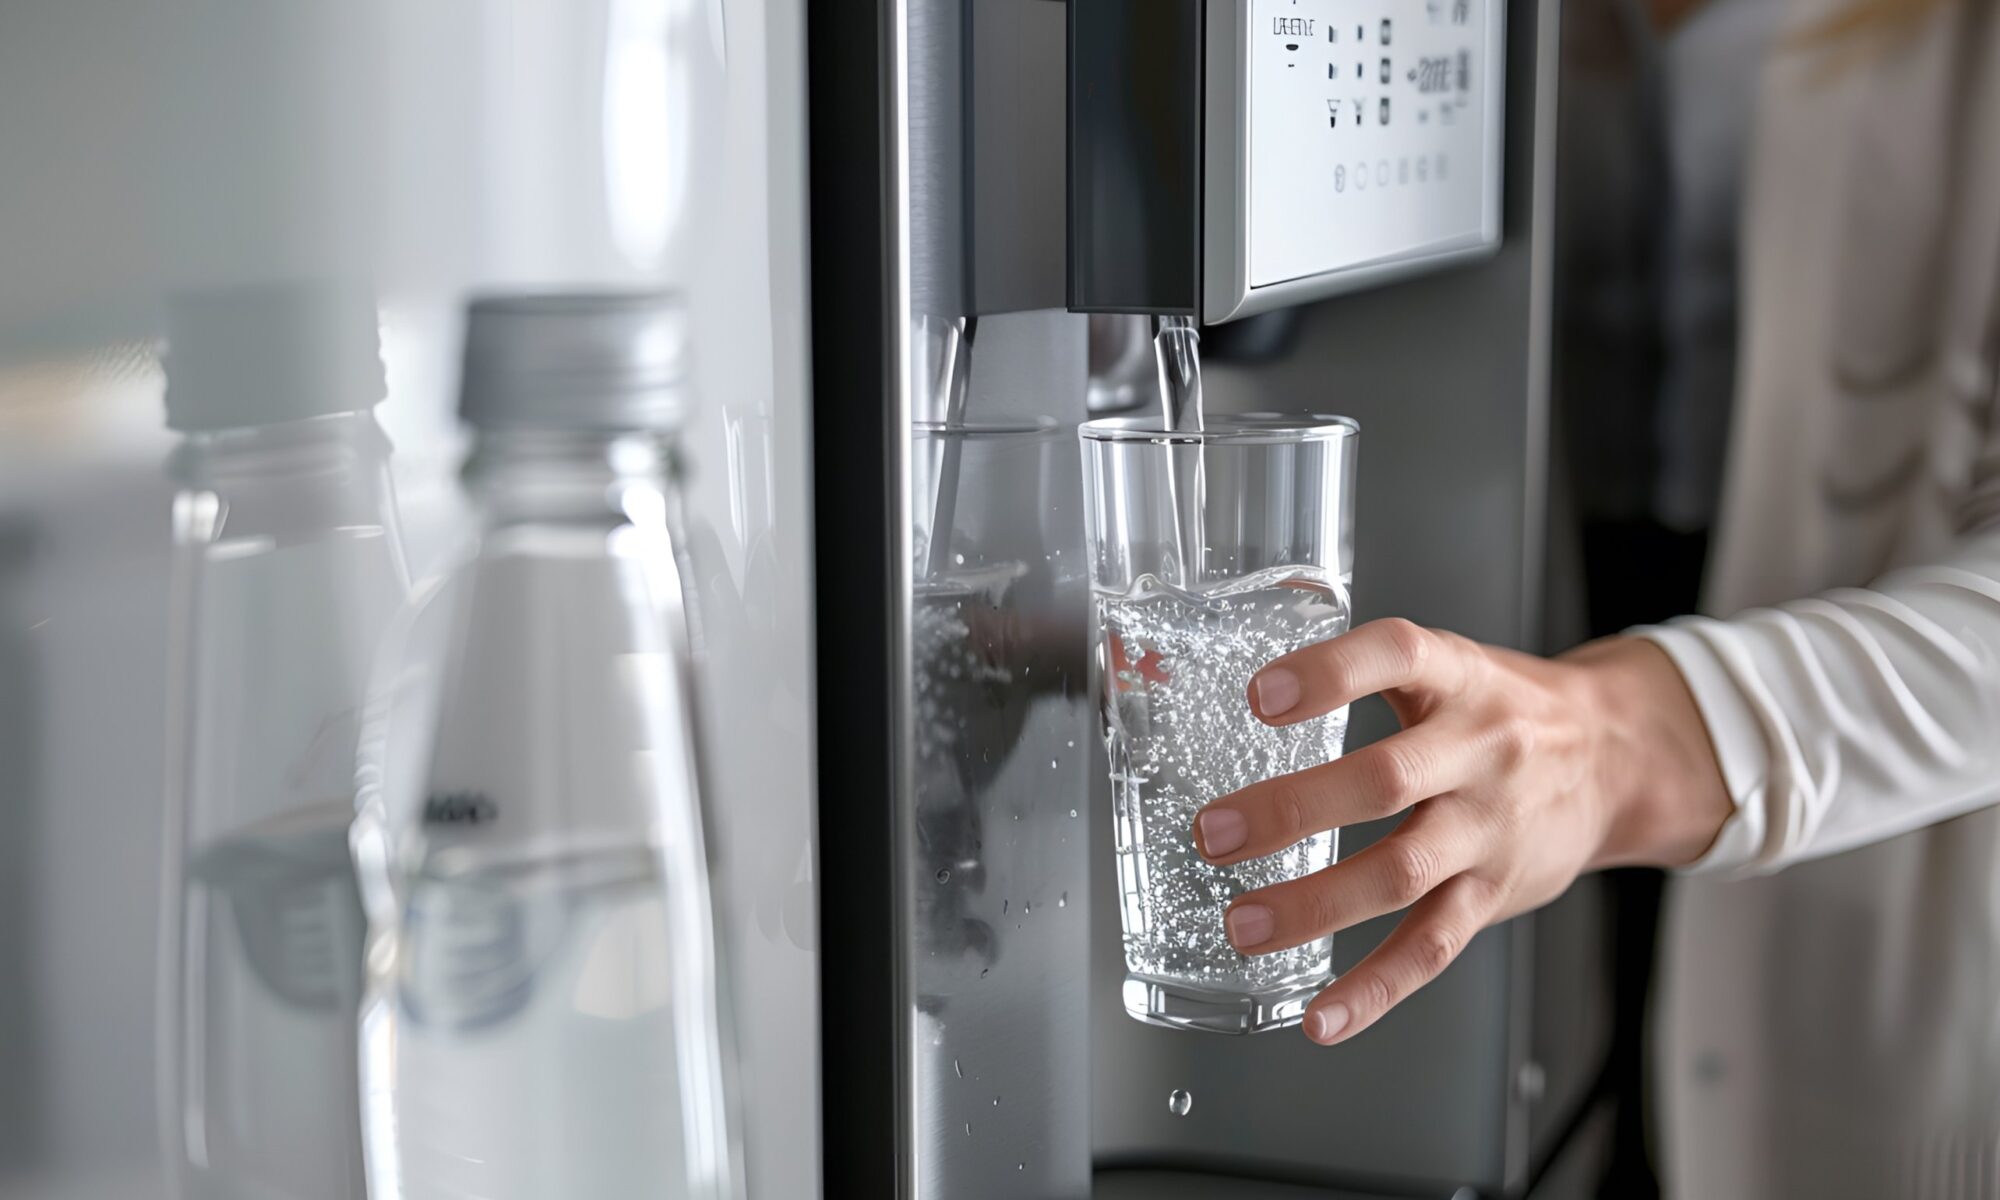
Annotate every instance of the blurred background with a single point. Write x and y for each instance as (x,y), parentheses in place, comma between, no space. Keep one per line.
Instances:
(1656,119)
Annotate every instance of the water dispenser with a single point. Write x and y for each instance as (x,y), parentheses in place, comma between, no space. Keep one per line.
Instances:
(980,174)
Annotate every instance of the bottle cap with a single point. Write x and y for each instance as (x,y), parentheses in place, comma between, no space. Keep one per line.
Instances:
(269,353)
(606,361)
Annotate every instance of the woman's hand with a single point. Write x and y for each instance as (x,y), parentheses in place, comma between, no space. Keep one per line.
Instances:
(1518,773)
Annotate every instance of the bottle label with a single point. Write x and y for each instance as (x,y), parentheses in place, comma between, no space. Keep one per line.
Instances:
(459,808)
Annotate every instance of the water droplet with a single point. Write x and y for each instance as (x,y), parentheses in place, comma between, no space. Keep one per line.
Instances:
(1062,901)
(1053,764)
(1004,902)
(1020,1166)
(1072,743)
(996,1102)
(1180,1102)
(983,970)
(1027,906)
(959,559)
(968,1129)
(1072,812)
(944,875)
(956,1069)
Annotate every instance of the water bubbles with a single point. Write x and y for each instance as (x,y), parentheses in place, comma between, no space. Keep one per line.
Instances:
(1180,1102)
(1183,735)
(944,875)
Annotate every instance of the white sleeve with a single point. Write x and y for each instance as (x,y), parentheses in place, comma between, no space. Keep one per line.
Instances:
(1855,715)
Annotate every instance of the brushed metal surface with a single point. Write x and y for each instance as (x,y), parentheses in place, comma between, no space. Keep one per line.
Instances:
(1017,186)
(999,726)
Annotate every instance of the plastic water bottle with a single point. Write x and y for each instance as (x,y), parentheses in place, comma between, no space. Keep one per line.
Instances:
(543,1016)
(287,566)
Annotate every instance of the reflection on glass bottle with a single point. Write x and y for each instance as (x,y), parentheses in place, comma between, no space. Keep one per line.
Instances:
(1000,737)
(287,567)
(542,1018)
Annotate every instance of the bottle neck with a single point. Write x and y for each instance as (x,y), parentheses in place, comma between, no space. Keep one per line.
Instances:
(289,481)
(566,476)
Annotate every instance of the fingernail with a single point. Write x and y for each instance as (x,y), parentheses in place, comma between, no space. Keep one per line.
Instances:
(1276,691)
(1250,925)
(1222,830)
(1324,1024)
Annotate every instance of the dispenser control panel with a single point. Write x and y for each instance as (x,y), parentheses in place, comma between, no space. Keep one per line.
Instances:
(1349,141)
(1228,157)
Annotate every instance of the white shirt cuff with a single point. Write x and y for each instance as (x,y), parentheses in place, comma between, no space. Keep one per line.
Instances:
(1735,733)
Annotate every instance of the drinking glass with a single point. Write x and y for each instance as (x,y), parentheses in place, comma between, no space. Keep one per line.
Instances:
(1212,551)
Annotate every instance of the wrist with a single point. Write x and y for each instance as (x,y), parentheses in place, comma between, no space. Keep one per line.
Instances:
(1654,767)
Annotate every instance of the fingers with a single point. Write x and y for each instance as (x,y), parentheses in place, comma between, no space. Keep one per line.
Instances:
(1431,847)
(1424,944)
(1376,657)
(1378,780)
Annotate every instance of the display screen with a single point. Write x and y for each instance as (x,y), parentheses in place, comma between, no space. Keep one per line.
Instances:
(1368,131)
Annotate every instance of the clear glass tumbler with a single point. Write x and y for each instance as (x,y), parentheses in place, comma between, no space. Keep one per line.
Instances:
(1212,551)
